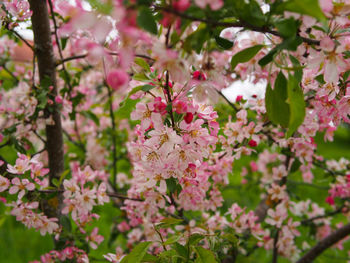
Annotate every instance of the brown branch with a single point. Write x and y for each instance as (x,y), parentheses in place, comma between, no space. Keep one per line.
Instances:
(215,23)
(325,243)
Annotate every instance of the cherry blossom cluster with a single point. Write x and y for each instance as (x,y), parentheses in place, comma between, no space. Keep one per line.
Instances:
(70,253)
(19,9)
(81,193)
(23,182)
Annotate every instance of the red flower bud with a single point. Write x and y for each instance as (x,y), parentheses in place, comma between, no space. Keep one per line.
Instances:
(252,143)
(239,98)
(188,117)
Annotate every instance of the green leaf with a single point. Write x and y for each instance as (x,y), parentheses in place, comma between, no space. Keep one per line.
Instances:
(172,239)
(133,91)
(146,21)
(291,43)
(104,7)
(140,77)
(205,255)
(298,72)
(149,258)
(90,115)
(137,254)
(287,27)
(296,105)
(275,100)
(63,175)
(295,166)
(305,7)
(245,55)
(268,57)
(169,221)
(223,42)
(125,110)
(147,87)
(64,41)
(181,250)
(194,239)
(142,63)
(196,40)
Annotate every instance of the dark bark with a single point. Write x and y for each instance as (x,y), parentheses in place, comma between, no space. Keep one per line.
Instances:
(43,49)
(46,64)
(325,243)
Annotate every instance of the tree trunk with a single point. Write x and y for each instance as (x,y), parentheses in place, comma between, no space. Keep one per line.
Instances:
(47,70)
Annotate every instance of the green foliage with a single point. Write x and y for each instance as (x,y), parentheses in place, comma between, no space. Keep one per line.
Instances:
(137,254)
(224,43)
(277,107)
(245,55)
(285,103)
(146,21)
(297,105)
(305,7)
(205,255)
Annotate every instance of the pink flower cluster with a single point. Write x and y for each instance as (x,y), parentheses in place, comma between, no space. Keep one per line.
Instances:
(70,253)
(19,9)
(24,213)
(82,192)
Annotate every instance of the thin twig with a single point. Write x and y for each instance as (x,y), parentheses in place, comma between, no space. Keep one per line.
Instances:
(332,213)
(80,145)
(39,152)
(227,100)
(160,236)
(10,72)
(21,38)
(40,138)
(64,60)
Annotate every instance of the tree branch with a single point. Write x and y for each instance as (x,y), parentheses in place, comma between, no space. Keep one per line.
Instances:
(324,244)
(214,23)
(275,248)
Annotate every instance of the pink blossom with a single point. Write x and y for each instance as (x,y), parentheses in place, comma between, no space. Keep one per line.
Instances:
(118,79)
(101,194)
(19,8)
(21,186)
(22,165)
(4,183)
(94,239)
(213,4)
